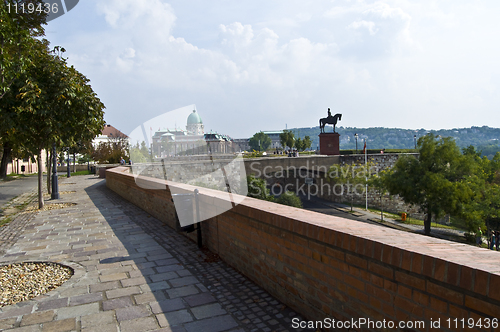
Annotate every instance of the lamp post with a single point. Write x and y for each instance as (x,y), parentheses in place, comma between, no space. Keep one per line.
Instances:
(415,141)
(68,169)
(366,178)
(55,187)
(356,137)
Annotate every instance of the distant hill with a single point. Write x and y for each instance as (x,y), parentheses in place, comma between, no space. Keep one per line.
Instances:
(483,138)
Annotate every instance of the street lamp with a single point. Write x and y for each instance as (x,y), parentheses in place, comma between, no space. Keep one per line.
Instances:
(68,170)
(55,187)
(415,141)
(356,137)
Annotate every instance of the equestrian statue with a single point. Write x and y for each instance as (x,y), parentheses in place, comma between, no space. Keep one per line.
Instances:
(329,120)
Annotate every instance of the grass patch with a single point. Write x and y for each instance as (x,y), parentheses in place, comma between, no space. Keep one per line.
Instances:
(5,221)
(16,175)
(21,207)
(458,225)
(436,225)
(76,174)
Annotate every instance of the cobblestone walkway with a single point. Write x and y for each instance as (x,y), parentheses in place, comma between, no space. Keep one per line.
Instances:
(10,232)
(132,273)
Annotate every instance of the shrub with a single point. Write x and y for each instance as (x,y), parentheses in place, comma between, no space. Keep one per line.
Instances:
(257,188)
(289,198)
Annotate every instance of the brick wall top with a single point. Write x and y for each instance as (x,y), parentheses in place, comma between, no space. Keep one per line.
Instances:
(461,266)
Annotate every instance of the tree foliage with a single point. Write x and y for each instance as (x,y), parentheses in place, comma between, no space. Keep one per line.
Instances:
(260,141)
(112,151)
(439,180)
(484,207)
(17,32)
(140,154)
(303,144)
(257,189)
(287,139)
(51,103)
(17,29)
(289,198)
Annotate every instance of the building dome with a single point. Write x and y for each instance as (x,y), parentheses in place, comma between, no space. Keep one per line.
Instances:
(194,118)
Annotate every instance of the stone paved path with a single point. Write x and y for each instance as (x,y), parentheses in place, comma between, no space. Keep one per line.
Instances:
(9,234)
(132,273)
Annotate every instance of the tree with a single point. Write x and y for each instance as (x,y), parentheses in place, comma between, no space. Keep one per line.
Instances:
(260,141)
(81,147)
(52,103)
(484,206)
(376,183)
(350,176)
(257,188)
(299,144)
(287,139)
(139,154)
(112,151)
(17,31)
(303,144)
(306,142)
(290,198)
(438,180)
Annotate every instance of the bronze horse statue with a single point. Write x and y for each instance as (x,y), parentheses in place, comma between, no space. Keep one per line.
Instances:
(329,120)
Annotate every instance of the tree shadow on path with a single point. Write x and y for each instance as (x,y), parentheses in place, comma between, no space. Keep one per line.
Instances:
(158,274)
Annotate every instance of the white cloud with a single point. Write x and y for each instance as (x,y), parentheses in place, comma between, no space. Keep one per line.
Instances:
(367,59)
(154,15)
(370,26)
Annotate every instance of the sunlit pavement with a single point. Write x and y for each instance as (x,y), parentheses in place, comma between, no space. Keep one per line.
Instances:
(132,273)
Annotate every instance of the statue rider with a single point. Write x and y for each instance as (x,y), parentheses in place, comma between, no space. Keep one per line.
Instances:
(329,113)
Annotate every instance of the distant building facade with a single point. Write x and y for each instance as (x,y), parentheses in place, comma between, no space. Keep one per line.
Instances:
(275,138)
(192,141)
(26,165)
(109,133)
(243,144)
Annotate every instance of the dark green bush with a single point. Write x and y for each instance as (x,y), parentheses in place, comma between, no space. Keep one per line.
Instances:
(289,198)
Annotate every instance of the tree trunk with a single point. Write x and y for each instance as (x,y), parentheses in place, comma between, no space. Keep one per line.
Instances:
(427,223)
(40,179)
(6,157)
(74,163)
(49,169)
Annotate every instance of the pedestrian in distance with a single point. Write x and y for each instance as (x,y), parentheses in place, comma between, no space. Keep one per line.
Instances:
(479,236)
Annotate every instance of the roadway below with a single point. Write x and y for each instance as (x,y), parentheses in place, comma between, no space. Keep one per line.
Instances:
(10,189)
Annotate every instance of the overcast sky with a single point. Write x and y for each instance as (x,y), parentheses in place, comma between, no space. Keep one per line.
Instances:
(263,65)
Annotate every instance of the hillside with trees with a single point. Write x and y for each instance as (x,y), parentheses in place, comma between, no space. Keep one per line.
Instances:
(484,138)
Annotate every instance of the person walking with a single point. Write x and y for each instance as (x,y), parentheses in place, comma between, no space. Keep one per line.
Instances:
(479,236)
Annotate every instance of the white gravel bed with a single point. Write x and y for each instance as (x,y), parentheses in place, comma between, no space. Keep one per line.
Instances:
(24,281)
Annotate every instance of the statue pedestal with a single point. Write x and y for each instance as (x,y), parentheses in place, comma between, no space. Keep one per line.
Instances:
(329,144)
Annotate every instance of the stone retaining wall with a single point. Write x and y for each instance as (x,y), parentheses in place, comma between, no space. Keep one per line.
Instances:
(329,267)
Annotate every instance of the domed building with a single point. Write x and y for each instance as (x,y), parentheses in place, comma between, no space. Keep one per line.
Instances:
(194,124)
(192,141)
